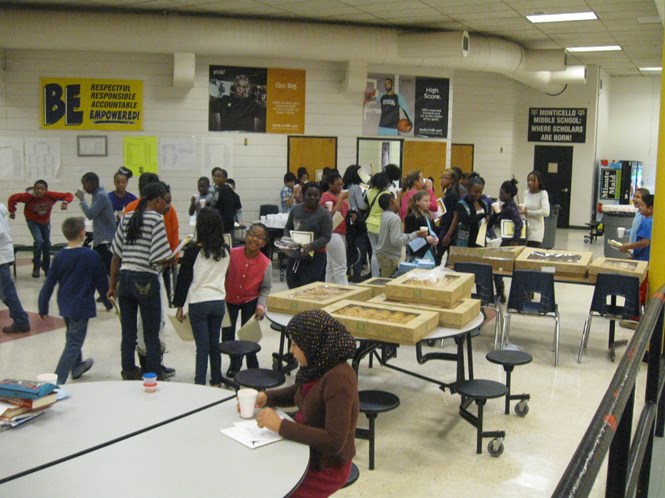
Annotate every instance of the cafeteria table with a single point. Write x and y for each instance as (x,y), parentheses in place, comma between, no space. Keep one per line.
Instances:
(112,438)
(188,456)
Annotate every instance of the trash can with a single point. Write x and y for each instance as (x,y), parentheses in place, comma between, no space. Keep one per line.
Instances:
(612,221)
(549,237)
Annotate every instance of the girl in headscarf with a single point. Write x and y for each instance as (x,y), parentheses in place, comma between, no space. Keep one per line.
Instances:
(326,393)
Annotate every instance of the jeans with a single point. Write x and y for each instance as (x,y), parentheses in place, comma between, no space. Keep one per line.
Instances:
(71,356)
(104,252)
(336,260)
(206,319)
(139,291)
(246,311)
(306,270)
(41,249)
(9,296)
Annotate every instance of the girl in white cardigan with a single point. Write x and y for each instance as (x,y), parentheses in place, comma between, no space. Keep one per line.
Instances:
(535,208)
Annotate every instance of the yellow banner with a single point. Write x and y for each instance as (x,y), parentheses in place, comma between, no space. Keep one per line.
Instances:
(286,101)
(91,104)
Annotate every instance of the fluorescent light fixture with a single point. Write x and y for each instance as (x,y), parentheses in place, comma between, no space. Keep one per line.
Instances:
(651,69)
(600,48)
(574,16)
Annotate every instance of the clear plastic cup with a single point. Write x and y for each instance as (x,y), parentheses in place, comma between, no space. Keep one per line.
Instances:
(150,382)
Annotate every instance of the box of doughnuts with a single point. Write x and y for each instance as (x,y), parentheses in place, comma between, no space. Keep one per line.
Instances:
(501,258)
(560,261)
(376,284)
(314,296)
(630,267)
(439,287)
(457,317)
(378,322)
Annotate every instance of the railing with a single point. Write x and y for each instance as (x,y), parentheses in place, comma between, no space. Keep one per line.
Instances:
(629,463)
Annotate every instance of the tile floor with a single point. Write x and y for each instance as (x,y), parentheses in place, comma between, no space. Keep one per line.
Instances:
(423,448)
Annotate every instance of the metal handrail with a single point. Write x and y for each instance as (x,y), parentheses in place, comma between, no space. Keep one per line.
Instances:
(609,430)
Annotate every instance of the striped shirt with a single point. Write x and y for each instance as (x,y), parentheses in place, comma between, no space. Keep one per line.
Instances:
(151,247)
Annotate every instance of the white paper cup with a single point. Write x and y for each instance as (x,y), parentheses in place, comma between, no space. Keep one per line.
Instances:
(51,378)
(329,205)
(496,206)
(202,203)
(247,402)
(621,231)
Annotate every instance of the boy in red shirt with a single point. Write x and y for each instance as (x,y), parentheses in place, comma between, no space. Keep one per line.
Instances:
(38,204)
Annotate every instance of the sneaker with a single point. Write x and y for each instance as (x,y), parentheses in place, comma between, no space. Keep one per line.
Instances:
(134,374)
(167,372)
(35,271)
(230,373)
(629,324)
(15,328)
(82,368)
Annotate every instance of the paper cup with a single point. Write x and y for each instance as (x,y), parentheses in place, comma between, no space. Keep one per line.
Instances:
(247,402)
(329,205)
(202,203)
(496,206)
(51,378)
(621,231)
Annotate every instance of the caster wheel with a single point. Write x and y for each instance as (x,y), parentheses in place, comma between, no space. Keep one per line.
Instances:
(495,447)
(521,408)
(431,343)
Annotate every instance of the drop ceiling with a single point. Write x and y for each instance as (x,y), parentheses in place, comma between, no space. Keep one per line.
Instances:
(635,25)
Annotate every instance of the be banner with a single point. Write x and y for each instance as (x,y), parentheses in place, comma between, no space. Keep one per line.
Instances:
(91,104)
(397,105)
(262,100)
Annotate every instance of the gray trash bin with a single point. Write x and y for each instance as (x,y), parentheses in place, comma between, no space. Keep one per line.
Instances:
(549,237)
(612,221)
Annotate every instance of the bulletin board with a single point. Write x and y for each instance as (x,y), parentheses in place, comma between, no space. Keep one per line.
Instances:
(429,157)
(314,153)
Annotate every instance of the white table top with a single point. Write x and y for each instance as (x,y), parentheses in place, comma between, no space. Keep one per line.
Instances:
(186,457)
(98,413)
(437,333)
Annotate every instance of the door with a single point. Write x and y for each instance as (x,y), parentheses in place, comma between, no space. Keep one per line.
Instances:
(461,155)
(555,164)
(314,153)
(428,157)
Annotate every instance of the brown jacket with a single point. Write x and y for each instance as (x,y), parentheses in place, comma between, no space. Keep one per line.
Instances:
(330,410)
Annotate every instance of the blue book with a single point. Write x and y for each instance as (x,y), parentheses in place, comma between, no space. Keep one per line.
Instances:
(25,389)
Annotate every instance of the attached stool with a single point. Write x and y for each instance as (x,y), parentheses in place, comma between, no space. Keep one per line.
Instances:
(259,378)
(509,360)
(371,404)
(353,476)
(282,360)
(480,391)
(237,350)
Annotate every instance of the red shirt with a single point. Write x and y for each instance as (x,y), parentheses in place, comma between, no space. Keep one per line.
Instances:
(244,276)
(329,196)
(38,209)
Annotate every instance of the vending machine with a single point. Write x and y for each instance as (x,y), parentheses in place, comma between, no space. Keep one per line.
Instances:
(617,181)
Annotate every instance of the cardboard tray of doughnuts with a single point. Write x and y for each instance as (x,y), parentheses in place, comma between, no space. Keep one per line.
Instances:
(314,296)
(437,287)
(394,324)
(560,261)
(457,317)
(377,284)
(628,267)
(501,258)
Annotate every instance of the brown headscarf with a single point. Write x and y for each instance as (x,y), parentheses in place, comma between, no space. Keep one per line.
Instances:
(325,342)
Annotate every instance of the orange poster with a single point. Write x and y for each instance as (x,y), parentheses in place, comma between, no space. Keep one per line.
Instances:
(286,101)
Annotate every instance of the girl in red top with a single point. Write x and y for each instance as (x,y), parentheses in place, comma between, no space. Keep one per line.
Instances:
(38,204)
(336,248)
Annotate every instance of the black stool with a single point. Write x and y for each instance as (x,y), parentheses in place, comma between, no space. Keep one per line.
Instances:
(259,378)
(353,476)
(237,350)
(509,360)
(480,391)
(371,404)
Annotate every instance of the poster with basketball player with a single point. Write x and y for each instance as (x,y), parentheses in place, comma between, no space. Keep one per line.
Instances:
(251,99)
(397,105)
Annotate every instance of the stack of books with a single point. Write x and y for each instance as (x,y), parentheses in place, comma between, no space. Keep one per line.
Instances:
(23,400)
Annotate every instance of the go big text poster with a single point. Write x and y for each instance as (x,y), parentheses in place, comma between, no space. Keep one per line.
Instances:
(91,104)
(262,100)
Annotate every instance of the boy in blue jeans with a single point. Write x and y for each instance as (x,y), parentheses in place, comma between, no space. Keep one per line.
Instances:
(78,271)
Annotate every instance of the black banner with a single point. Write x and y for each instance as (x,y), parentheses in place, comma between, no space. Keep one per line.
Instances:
(432,107)
(561,125)
(610,180)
